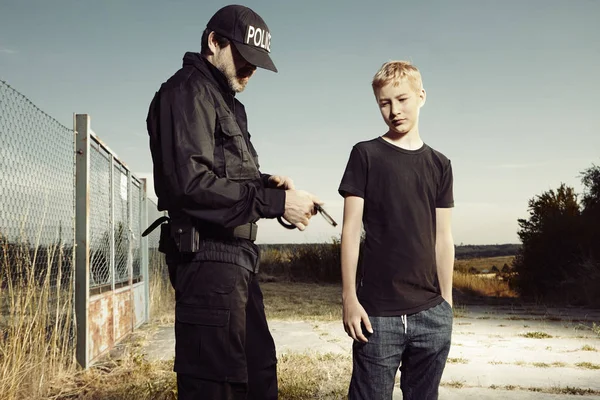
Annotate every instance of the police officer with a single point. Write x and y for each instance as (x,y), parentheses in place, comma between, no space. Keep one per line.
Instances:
(207,176)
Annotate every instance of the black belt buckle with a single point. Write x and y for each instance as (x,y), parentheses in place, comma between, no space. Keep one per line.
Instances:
(246,231)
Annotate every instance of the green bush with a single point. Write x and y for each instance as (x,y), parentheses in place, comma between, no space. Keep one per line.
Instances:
(559,260)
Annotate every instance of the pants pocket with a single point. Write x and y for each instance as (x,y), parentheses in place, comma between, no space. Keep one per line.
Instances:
(210,321)
(201,316)
(205,285)
(201,341)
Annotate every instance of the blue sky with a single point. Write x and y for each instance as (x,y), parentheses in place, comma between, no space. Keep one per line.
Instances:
(512,88)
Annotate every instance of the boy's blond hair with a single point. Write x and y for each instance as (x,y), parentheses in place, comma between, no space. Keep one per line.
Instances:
(396,72)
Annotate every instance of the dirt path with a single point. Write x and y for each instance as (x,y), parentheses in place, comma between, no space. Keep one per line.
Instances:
(498,352)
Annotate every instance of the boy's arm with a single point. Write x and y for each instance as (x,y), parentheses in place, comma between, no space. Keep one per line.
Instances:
(444,251)
(354,313)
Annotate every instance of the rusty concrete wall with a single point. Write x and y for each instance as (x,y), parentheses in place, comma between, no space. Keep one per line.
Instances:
(139,304)
(123,313)
(101,326)
(111,317)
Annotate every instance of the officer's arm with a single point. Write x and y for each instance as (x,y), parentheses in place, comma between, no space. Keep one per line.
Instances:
(264,178)
(191,117)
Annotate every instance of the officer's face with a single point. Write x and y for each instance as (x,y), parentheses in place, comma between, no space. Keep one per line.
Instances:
(235,68)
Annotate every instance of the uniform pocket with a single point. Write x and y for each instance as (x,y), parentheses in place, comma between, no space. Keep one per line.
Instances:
(206,284)
(217,278)
(201,316)
(239,163)
(201,341)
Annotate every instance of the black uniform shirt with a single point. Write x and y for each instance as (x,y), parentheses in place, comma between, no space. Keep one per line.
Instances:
(205,166)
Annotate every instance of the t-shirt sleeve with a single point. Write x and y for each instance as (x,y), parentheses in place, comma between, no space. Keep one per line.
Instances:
(354,180)
(445,196)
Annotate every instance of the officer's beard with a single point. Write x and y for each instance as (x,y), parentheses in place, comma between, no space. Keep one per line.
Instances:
(237,80)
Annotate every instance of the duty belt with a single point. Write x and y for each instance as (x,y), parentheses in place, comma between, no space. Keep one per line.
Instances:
(245,231)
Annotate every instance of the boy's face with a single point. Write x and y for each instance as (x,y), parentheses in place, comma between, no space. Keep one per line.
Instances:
(400,105)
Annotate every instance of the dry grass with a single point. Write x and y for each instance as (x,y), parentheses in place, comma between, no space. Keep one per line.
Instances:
(162,295)
(128,378)
(472,284)
(454,384)
(588,365)
(302,301)
(596,329)
(536,335)
(322,376)
(36,318)
(457,361)
(480,264)
(557,364)
(37,330)
(568,390)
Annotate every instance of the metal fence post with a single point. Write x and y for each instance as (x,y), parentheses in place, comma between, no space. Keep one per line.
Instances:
(111,205)
(82,259)
(144,246)
(130,233)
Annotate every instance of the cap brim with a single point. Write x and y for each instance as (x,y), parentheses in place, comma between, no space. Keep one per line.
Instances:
(255,56)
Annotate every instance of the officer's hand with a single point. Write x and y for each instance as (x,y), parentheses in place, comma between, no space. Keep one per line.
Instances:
(281,182)
(299,207)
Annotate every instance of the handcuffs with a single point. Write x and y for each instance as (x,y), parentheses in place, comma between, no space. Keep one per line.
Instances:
(319,209)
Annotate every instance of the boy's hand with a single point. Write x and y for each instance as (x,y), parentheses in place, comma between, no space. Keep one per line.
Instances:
(449,300)
(281,182)
(355,317)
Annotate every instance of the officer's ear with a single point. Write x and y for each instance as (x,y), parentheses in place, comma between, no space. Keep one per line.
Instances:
(212,42)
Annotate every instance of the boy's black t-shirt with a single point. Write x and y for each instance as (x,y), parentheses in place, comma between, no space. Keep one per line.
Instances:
(401,189)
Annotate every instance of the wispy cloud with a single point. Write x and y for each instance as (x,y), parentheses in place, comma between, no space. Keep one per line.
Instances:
(7,51)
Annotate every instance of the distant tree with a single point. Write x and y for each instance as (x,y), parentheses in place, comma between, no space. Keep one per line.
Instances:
(560,255)
(589,274)
(551,240)
(591,211)
(591,194)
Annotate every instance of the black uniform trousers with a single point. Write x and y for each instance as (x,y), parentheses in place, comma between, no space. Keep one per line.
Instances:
(223,347)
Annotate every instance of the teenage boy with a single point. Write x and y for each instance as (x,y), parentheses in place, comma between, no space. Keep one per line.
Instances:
(399,313)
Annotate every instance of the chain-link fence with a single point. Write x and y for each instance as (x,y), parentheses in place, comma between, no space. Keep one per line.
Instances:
(36,240)
(69,236)
(36,188)
(136,230)
(115,222)
(100,218)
